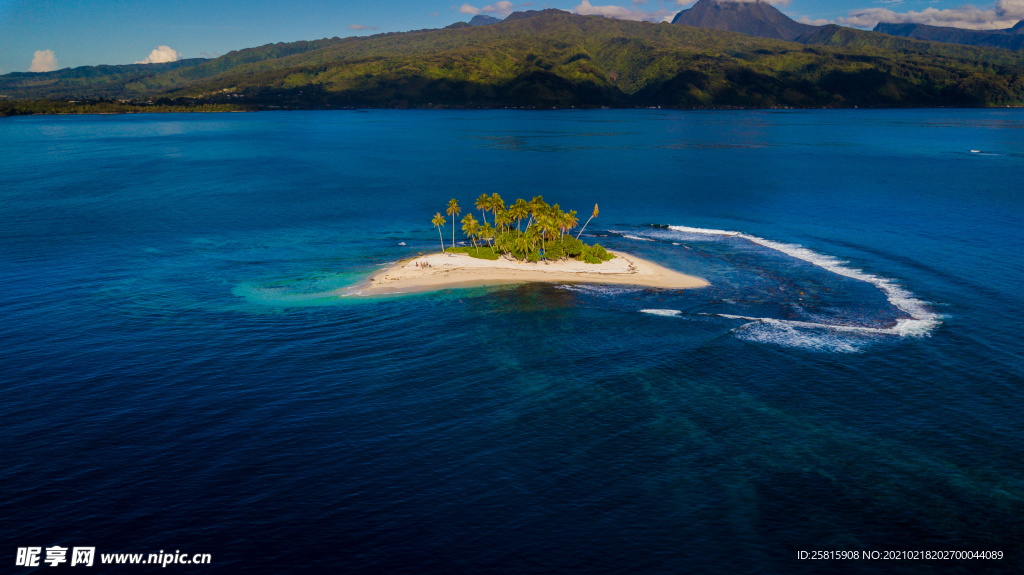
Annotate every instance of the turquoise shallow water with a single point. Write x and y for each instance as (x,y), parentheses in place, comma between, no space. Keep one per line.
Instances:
(179,371)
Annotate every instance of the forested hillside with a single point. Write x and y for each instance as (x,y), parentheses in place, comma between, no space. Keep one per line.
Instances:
(556,59)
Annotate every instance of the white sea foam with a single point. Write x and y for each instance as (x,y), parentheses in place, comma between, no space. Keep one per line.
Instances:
(903,327)
(788,334)
(920,324)
(662,312)
(606,290)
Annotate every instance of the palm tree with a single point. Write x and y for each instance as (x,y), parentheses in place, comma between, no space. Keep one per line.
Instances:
(531,238)
(497,205)
(550,223)
(546,223)
(502,219)
(570,221)
(588,221)
(483,203)
(504,242)
(453,210)
(471,228)
(519,211)
(438,222)
(487,233)
(556,220)
(524,243)
(537,207)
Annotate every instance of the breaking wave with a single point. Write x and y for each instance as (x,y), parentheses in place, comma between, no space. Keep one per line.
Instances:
(662,312)
(789,334)
(806,334)
(922,321)
(605,290)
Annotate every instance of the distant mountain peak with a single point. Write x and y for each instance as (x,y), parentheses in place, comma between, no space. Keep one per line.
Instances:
(756,18)
(483,20)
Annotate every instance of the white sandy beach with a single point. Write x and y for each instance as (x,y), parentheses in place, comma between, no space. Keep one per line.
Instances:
(445,270)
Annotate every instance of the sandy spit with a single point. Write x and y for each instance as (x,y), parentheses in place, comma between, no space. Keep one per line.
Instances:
(443,271)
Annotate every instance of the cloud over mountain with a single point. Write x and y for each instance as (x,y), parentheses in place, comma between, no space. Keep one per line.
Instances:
(611,11)
(43,61)
(161,54)
(504,8)
(1002,14)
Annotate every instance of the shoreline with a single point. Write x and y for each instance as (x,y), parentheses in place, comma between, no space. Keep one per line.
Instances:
(453,271)
(537,109)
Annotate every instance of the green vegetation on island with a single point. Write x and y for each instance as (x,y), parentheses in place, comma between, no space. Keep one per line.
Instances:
(545,236)
(554,59)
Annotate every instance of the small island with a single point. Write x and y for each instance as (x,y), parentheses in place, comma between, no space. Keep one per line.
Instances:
(527,241)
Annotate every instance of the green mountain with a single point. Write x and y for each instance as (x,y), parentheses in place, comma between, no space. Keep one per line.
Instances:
(143,80)
(89,81)
(551,58)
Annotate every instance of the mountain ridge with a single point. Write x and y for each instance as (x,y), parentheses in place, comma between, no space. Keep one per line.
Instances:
(1008,38)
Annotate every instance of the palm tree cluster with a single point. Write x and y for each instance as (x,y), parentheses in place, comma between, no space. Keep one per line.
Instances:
(545,235)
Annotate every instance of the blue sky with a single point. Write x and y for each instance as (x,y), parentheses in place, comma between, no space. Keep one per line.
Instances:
(67,33)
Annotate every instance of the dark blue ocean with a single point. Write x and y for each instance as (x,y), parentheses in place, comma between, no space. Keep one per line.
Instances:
(186,363)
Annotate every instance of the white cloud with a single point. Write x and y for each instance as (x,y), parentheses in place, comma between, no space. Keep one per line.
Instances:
(1002,14)
(435,14)
(587,9)
(161,54)
(361,27)
(818,22)
(503,8)
(43,61)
